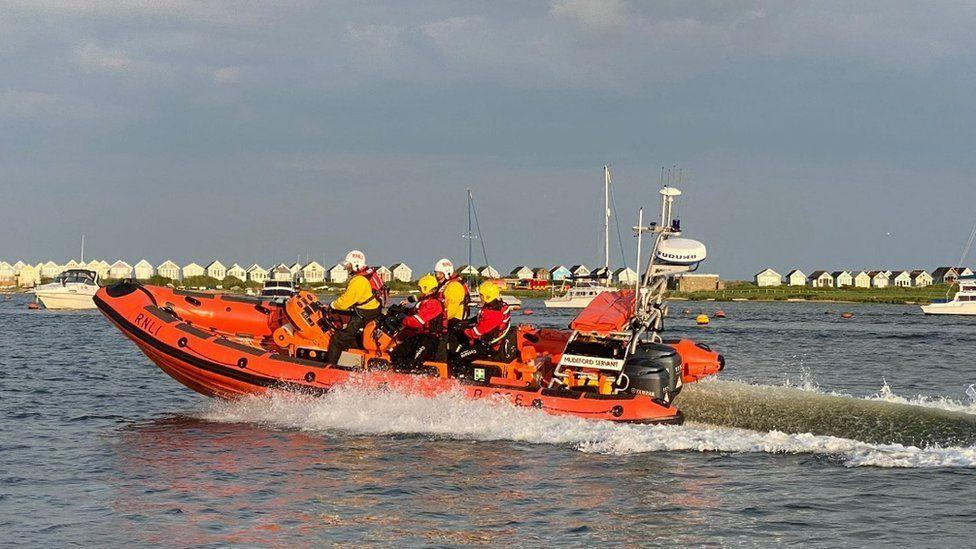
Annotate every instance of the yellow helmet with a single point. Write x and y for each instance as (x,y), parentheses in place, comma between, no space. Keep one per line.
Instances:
(489,292)
(427,284)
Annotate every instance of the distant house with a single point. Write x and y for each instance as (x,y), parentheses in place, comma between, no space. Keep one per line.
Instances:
(28,276)
(384,273)
(540,273)
(7,275)
(50,269)
(313,273)
(625,275)
(237,272)
(821,279)
(193,269)
(579,270)
(862,280)
(281,272)
(256,273)
(694,282)
(468,270)
(103,268)
(168,269)
(296,270)
(522,273)
(901,279)
(559,273)
(842,279)
(120,269)
(72,264)
(920,278)
(601,273)
(338,274)
(401,272)
(880,279)
(487,271)
(143,270)
(796,278)
(216,270)
(768,277)
(949,275)
(18,266)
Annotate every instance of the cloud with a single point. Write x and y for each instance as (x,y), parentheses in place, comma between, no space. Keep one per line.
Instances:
(595,14)
(227,75)
(92,58)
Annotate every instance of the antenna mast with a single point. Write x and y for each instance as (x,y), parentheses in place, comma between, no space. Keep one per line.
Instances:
(470,236)
(606,222)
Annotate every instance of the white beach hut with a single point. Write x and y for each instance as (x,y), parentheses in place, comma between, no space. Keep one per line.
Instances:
(338,274)
(768,277)
(237,272)
(401,272)
(216,270)
(143,270)
(119,270)
(796,277)
(257,273)
(192,269)
(313,272)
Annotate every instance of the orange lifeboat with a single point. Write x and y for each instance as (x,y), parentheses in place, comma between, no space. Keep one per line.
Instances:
(226,346)
(212,355)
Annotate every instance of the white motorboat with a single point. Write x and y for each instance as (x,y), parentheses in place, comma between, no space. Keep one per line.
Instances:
(72,289)
(577,297)
(964,302)
(279,290)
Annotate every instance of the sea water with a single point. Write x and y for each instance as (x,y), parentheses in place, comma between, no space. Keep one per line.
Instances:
(97,446)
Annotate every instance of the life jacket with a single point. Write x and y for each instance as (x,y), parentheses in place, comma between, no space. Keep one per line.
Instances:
(499,333)
(381,292)
(466,302)
(428,315)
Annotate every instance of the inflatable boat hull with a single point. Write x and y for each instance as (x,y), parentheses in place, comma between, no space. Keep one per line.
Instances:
(215,363)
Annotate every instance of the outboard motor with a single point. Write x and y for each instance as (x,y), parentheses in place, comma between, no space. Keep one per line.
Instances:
(654,370)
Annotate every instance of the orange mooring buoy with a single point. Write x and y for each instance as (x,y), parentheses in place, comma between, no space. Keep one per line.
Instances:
(719,314)
(527,311)
(33,305)
(847,315)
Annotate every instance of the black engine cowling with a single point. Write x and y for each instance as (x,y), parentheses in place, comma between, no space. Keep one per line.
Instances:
(654,370)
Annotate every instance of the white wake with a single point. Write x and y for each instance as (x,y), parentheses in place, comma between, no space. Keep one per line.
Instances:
(887,394)
(370,412)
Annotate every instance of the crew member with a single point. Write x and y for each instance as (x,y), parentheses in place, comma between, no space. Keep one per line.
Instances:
(363,299)
(422,328)
(454,295)
(488,335)
(452,291)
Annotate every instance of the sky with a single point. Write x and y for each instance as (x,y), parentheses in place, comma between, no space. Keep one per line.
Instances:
(820,135)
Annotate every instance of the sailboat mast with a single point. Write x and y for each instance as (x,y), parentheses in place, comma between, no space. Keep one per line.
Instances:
(82,249)
(606,222)
(470,236)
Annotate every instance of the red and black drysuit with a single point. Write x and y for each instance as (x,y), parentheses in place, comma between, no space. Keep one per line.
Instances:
(421,332)
(489,336)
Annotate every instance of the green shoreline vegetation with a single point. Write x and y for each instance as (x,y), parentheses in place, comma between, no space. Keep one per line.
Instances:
(750,292)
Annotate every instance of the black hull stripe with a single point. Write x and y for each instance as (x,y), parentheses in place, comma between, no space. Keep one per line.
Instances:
(253,351)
